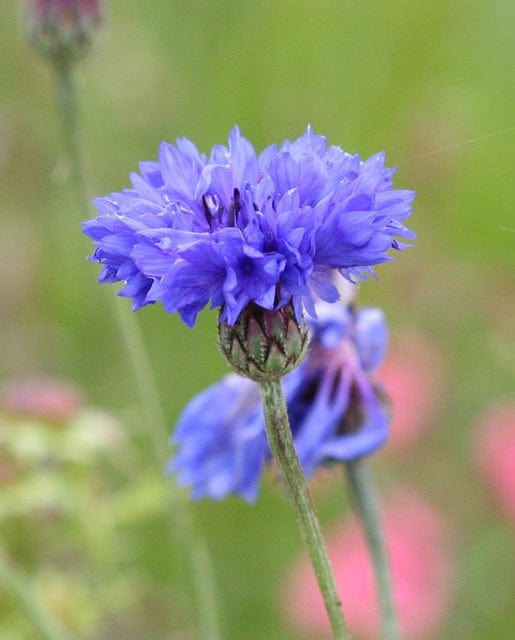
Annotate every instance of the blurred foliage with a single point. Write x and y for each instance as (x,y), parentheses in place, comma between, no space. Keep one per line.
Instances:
(432,83)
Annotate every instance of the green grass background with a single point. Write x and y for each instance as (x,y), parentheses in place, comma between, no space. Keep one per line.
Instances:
(433,85)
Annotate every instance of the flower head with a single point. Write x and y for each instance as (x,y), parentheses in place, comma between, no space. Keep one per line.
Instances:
(236,227)
(62,30)
(335,409)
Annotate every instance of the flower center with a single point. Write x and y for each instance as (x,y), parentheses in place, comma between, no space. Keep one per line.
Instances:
(214,209)
(247,266)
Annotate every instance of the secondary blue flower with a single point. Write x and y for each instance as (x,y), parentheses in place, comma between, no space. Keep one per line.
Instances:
(222,440)
(335,408)
(237,227)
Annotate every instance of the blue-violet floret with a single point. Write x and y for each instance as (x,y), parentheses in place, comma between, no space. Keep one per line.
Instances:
(236,227)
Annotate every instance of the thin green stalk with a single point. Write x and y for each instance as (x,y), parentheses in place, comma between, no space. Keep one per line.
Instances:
(281,444)
(362,488)
(67,108)
(19,587)
(144,379)
(187,536)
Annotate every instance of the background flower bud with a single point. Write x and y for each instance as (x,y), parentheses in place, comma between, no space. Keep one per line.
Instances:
(62,30)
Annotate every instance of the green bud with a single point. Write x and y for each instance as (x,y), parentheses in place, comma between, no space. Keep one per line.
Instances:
(263,344)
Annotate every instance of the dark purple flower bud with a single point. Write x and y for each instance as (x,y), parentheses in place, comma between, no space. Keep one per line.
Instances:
(63,30)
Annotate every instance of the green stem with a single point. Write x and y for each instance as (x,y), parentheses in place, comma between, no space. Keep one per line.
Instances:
(201,566)
(144,379)
(281,444)
(364,495)
(192,545)
(67,108)
(16,583)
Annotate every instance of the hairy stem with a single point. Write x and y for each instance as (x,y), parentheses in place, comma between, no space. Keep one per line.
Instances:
(281,444)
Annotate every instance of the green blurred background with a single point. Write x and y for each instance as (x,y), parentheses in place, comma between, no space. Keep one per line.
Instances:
(431,83)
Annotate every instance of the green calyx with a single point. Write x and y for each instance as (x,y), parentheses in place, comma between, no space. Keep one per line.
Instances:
(263,344)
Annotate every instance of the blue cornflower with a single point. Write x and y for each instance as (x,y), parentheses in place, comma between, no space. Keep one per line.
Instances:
(336,410)
(237,228)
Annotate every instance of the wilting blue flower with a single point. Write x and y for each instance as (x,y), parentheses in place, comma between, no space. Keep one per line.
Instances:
(237,227)
(336,410)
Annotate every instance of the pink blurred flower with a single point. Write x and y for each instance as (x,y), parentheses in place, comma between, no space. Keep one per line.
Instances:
(65,10)
(495,452)
(8,468)
(414,376)
(416,537)
(45,399)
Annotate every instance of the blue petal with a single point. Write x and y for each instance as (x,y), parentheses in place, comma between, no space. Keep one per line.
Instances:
(308,209)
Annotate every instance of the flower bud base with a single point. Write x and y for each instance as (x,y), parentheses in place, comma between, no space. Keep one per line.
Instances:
(263,344)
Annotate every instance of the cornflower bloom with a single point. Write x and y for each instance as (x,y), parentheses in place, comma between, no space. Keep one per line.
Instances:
(260,237)
(236,229)
(336,411)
